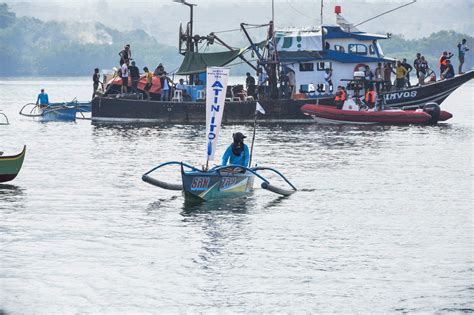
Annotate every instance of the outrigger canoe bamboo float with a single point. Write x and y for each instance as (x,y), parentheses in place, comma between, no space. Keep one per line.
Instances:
(10,166)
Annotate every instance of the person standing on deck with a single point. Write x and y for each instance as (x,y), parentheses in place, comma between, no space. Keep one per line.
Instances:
(422,70)
(125,75)
(416,64)
(291,82)
(42,99)
(379,77)
(400,74)
(408,67)
(262,83)
(328,88)
(237,153)
(462,48)
(125,54)
(250,85)
(149,82)
(165,90)
(134,76)
(387,76)
(96,80)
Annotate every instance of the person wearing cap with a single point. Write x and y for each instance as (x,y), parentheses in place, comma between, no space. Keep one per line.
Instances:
(42,99)
(237,153)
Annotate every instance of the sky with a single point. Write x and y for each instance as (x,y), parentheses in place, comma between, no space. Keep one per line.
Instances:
(161,18)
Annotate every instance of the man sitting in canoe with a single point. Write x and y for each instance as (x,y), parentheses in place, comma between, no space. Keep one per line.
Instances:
(238,152)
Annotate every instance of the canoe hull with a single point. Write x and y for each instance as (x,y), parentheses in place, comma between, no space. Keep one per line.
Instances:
(217,185)
(10,166)
(58,114)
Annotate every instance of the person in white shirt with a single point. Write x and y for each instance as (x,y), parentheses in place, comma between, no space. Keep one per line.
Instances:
(328,81)
(462,48)
(165,89)
(125,74)
(262,82)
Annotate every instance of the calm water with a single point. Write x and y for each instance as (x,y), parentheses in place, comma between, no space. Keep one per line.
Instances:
(383,221)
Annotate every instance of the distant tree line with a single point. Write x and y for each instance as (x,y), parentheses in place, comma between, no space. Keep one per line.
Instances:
(31,47)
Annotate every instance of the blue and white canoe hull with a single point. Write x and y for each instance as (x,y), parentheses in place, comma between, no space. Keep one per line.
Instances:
(60,113)
(228,183)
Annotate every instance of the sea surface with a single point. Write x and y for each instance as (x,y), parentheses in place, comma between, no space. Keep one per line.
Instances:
(382,221)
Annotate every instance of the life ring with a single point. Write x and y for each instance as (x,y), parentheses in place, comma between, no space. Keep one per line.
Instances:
(356,68)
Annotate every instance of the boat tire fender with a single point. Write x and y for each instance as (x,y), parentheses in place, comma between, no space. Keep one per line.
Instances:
(277,190)
(434,110)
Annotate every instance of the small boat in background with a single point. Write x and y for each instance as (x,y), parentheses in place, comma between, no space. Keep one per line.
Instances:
(10,166)
(4,119)
(67,111)
(429,114)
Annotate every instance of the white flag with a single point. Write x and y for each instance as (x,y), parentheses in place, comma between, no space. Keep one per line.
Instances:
(259,108)
(215,96)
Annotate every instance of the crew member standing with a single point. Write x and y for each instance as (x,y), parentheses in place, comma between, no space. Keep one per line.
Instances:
(400,74)
(96,80)
(125,74)
(250,85)
(462,48)
(134,76)
(408,68)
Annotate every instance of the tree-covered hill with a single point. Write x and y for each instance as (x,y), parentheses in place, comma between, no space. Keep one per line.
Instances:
(31,47)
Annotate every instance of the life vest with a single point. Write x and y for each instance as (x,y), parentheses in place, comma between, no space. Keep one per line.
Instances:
(340,96)
(370,97)
(443,60)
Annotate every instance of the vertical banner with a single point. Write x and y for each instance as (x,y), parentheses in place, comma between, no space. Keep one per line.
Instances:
(216,89)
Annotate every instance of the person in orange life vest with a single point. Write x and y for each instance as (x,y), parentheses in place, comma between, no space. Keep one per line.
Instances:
(370,97)
(340,98)
(443,61)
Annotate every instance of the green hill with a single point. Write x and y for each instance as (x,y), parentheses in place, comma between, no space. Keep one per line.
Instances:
(31,47)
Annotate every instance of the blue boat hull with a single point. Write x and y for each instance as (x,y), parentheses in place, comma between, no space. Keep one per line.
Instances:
(58,114)
(232,182)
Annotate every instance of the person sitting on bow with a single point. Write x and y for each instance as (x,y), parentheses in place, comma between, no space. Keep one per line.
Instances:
(237,153)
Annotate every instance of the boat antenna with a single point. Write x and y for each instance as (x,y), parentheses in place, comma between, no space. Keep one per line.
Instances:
(379,15)
(322,5)
(273,11)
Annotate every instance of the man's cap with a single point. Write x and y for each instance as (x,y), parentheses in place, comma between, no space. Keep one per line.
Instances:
(239,136)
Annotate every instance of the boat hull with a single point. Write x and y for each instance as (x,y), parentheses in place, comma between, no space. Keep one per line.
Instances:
(10,166)
(233,182)
(330,114)
(117,110)
(53,113)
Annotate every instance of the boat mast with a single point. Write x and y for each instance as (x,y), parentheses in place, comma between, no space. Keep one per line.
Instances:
(322,5)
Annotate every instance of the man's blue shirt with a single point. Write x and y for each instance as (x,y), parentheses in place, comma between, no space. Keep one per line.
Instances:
(242,159)
(42,99)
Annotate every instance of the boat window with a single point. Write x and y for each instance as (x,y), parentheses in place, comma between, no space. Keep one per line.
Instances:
(339,48)
(357,49)
(371,50)
(306,66)
(321,66)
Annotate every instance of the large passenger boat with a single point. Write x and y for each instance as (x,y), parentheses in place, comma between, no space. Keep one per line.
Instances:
(308,54)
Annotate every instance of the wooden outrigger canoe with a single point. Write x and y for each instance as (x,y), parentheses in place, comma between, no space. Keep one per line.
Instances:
(218,182)
(4,120)
(66,111)
(10,166)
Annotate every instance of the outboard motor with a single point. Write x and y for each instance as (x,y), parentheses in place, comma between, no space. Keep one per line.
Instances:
(434,110)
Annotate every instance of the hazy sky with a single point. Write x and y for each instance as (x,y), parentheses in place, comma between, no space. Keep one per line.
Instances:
(161,18)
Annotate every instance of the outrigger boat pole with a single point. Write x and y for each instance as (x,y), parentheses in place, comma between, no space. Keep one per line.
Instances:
(379,15)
